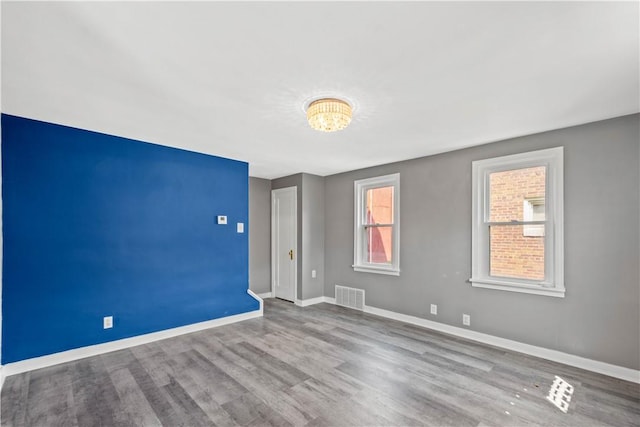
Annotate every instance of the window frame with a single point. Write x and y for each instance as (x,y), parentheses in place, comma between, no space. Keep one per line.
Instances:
(361,187)
(553,283)
(528,209)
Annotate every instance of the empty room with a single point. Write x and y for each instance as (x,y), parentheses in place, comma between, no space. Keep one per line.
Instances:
(330,213)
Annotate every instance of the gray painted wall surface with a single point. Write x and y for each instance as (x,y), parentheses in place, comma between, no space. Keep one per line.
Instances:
(310,191)
(259,235)
(312,235)
(294,181)
(600,316)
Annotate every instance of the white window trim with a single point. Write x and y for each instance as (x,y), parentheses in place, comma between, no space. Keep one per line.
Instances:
(553,285)
(360,189)
(528,206)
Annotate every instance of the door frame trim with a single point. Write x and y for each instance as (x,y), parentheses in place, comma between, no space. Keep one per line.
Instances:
(294,191)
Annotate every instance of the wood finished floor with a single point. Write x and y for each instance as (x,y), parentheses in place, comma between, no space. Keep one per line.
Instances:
(319,366)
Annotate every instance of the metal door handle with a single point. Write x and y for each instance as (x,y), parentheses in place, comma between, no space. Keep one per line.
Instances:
(291,254)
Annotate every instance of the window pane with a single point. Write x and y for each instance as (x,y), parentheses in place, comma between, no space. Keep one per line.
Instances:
(514,254)
(517,195)
(379,204)
(379,244)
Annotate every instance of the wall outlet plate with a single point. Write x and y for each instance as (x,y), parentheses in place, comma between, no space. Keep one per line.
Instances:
(107,322)
(434,309)
(222,219)
(466,320)
(240,227)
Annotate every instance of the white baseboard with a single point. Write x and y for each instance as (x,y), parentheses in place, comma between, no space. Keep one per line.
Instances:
(310,301)
(266,295)
(1,378)
(532,350)
(94,350)
(257,298)
(300,302)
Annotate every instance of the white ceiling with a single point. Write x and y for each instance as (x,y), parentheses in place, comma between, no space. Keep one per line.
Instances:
(231,78)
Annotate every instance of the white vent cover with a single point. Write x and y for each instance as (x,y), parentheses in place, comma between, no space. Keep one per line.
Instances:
(350,297)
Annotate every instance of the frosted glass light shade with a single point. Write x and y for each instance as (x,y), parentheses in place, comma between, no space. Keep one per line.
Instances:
(329,114)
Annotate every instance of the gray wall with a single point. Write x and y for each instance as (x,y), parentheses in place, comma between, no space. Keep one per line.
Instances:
(600,316)
(294,181)
(310,191)
(259,235)
(312,235)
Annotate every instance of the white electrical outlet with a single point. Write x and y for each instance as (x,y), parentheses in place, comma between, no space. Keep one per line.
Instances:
(222,219)
(107,322)
(240,227)
(434,309)
(466,320)
(313,274)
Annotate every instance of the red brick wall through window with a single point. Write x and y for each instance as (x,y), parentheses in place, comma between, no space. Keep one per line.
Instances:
(514,252)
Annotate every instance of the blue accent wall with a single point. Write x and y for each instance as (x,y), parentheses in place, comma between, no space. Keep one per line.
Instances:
(96,225)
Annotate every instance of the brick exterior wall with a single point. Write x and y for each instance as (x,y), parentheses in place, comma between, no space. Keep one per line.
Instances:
(514,254)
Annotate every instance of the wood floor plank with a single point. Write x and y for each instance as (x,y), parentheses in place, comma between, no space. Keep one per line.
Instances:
(185,408)
(208,376)
(51,398)
(15,397)
(134,402)
(202,389)
(157,398)
(244,409)
(286,373)
(96,399)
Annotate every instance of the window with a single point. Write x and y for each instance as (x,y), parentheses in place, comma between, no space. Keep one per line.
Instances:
(533,210)
(377,225)
(517,233)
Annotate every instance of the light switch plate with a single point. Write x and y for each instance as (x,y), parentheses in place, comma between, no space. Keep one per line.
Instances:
(240,227)
(222,219)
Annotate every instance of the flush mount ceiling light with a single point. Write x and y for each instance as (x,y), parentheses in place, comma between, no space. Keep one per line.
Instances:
(329,114)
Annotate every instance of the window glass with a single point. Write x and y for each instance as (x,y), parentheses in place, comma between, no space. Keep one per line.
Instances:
(508,189)
(379,249)
(379,237)
(515,255)
(377,222)
(517,195)
(380,205)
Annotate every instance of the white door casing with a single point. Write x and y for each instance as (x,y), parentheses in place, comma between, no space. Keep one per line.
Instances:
(284,251)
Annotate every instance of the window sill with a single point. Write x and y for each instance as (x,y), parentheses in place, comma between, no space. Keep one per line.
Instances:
(504,285)
(376,270)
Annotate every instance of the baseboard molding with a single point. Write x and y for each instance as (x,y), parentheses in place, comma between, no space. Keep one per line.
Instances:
(1,378)
(265,295)
(532,350)
(94,350)
(299,302)
(258,298)
(310,301)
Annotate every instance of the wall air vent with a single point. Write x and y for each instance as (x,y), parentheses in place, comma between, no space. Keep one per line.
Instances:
(350,297)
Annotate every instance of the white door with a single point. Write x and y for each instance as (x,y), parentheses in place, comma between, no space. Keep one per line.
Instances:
(284,250)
